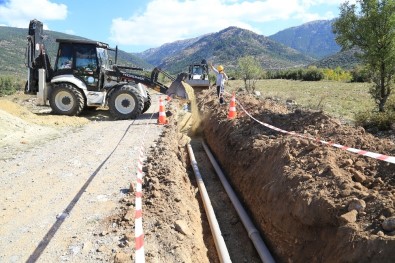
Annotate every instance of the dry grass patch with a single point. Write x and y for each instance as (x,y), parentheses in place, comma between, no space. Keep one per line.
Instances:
(341,100)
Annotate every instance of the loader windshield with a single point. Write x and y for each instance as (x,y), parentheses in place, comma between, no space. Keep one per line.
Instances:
(65,57)
(103,58)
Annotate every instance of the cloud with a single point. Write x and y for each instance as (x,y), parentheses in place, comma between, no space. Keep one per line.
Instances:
(165,21)
(17,13)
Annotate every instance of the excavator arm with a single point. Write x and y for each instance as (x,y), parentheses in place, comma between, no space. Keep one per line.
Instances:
(36,57)
(177,87)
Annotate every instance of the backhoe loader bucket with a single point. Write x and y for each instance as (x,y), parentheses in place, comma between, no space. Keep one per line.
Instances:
(179,88)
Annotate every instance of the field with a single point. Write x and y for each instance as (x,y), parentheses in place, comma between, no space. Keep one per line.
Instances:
(338,99)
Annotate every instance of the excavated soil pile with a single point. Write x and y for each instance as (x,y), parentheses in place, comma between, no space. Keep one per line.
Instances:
(313,203)
(24,125)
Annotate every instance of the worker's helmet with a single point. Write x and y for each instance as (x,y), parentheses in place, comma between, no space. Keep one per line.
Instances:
(220,68)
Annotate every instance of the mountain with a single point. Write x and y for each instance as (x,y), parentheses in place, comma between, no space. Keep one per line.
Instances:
(314,39)
(293,47)
(226,47)
(13,44)
(155,56)
(347,59)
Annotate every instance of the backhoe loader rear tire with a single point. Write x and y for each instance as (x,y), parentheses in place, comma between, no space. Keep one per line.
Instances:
(125,103)
(65,99)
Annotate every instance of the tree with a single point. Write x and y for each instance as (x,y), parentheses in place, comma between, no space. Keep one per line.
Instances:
(7,87)
(370,26)
(250,71)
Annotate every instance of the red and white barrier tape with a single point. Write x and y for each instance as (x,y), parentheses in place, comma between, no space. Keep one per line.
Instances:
(378,156)
(138,223)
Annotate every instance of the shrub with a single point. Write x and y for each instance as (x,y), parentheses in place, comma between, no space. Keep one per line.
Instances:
(375,120)
(309,74)
(8,85)
(390,105)
(337,74)
(360,74)
(312,74)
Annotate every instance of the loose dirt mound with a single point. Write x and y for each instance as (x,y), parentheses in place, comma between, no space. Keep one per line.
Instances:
(313,203)
(24,125)
(175,227)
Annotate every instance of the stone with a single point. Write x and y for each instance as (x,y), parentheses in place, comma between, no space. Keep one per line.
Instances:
(86,247)
(359,165)
(348,162)
(345,192)
(349,217)
(156,194)
(358,176)
(102,249)
(129,236)
(388,212)
(131,188)
(304,142)
(358,186)
(389,224)
(182,227)
(357,204)
(75,250)
(129,216)
(122,257)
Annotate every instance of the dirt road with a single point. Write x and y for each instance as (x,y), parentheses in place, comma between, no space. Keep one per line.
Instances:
(54,195)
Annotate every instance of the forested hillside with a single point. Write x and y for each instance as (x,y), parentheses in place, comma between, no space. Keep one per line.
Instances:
(13,48)
(309,44)
(315,38)
(228,45)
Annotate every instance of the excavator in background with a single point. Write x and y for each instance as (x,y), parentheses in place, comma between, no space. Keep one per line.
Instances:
(85,76)
(198,75)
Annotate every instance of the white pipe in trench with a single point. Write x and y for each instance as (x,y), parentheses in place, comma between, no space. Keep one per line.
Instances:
(253,233)
(218,239)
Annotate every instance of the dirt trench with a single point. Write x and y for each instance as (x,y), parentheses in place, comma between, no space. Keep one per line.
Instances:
(312,203)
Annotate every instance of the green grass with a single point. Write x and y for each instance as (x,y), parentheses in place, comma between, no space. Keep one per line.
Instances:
(338,99)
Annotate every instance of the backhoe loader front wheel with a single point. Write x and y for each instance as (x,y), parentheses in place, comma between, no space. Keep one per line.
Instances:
(147,104)
(65,99)
(125,103)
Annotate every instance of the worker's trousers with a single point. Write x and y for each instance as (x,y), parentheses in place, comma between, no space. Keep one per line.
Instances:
(220,94)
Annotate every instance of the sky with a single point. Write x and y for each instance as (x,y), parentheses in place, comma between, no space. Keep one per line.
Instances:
(137,25)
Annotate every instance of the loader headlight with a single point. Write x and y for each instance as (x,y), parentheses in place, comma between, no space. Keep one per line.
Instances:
(90,80)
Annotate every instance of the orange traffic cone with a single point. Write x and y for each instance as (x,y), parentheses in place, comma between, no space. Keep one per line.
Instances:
(232,107)
(162,114)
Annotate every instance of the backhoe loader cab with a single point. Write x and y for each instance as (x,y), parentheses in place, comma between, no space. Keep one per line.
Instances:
(198,75)
(85,60)
(84,76)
